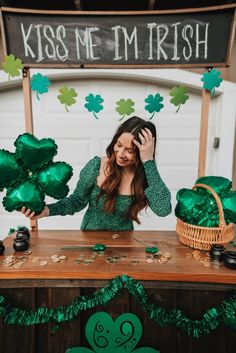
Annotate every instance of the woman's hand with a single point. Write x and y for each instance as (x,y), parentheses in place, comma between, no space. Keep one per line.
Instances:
(31,215)
(147,145)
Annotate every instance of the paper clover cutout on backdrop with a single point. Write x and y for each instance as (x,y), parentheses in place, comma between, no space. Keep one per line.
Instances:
(67,96)
(40,84)
(119,336)
(154,104)
(124,107)
(179,95)
(211,79)
(12,66)
(94,104)
(30,173)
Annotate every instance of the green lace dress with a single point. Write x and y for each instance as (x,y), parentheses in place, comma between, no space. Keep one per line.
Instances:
(95,218)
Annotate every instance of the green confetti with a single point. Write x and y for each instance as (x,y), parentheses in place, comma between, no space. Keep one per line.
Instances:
(179,95)
(154,104)
(94,104)
(40,84)
(124,107)
(67,96)
(12,66)
(211,80)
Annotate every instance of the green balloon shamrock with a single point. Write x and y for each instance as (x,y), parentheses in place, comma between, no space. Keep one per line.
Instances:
(107,336)
(124,107)
(154,104)
(12,66)
(67,96)
(40,84)
(211,79)
(94,104)
(179,95)
(29,174)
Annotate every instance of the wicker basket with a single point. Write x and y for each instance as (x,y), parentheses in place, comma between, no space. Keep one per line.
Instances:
(203,238)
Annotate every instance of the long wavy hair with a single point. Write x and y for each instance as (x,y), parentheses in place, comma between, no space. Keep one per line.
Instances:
(113,172)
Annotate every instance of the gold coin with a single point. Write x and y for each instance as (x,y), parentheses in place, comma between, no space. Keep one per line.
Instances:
(35,259)
(27,252)
(149,261)
(115,236)
(54,256)
(56,259)
(18,264)
(62,257)
(43,263)
(207,264)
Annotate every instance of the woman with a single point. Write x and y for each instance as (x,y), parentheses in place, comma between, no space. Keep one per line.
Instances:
(117,187)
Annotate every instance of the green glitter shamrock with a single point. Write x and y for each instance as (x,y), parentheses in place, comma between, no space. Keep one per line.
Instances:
(154,104)
(124,107)
(179,95)
(40,84)
(211,79)
(12,66)
(94,104)
(67,96)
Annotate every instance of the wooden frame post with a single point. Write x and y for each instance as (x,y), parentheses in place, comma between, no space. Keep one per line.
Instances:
(28,114)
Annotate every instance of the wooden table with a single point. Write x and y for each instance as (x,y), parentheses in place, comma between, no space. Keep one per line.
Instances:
(183,282)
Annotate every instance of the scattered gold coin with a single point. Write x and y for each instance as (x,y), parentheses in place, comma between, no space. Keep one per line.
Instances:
(18,264)
(35,259)
(115,236)
(149,261)
(43,263)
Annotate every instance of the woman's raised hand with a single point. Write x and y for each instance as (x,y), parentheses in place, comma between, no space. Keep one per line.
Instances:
(147,145)
(31,215)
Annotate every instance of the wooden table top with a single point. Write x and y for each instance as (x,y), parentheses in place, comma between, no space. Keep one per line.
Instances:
(181,267)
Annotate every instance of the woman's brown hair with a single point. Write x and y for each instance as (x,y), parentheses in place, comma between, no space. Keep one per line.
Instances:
(110,186)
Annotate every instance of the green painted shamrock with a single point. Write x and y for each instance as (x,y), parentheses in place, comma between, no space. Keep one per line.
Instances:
(154,104)
(94,104)
(67,96)
(211,80)
(107,336)
(124,107)
(12,66)
(179,95)
(40,84)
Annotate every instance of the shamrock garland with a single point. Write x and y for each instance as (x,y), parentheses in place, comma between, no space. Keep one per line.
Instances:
(179,95)
(124,107)
(12,66)
(211,79)
(40,84)
(94,104)
(154,104)
(67,96)
(30,173)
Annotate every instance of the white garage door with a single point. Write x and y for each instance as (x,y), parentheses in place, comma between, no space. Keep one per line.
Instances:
(80,136)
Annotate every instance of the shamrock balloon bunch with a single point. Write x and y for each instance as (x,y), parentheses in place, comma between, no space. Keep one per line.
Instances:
(199,206)
(30,173)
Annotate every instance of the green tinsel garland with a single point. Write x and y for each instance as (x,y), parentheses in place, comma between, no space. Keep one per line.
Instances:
(226,312)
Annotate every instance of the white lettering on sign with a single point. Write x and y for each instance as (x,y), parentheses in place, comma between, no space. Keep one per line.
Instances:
(84,38)
(121,34)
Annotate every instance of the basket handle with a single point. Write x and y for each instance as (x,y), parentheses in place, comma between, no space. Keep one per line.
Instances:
(222,223)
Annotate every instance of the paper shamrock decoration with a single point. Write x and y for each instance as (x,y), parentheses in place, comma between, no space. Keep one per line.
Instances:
(107,336)
(94,104)
(211,79)
(67,96)
(12,66)
(124,107)
(154,104)
(30,173)
(40,84)
(179,95)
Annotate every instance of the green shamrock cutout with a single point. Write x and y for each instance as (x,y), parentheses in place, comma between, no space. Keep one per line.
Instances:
(67,96)
(211,79)
(12,66)
(40,84)
(179,95)
(154,104)
(107,336)
(94,104)
(29,174)
(124,107)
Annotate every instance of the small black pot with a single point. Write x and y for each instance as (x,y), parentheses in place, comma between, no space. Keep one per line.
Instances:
(23,232)
(2,247)
(230,259)
(20,243)
(216,252)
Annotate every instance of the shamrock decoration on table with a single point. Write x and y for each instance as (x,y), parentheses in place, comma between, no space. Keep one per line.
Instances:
(94,104)
(211,79)
(67,96)
(124,107)
(40,84)
(30,173)
(179,95)
(154,104)
(107,336)
(12,66)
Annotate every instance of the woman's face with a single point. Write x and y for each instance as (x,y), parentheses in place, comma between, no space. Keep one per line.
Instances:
(125,150)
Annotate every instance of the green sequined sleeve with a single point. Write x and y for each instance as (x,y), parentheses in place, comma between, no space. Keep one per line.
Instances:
(157,193)
(79,199)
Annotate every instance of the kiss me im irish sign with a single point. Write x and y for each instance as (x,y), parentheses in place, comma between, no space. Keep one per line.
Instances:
(143,39)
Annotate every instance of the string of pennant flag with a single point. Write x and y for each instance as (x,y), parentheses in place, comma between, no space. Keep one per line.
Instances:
(94,103)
